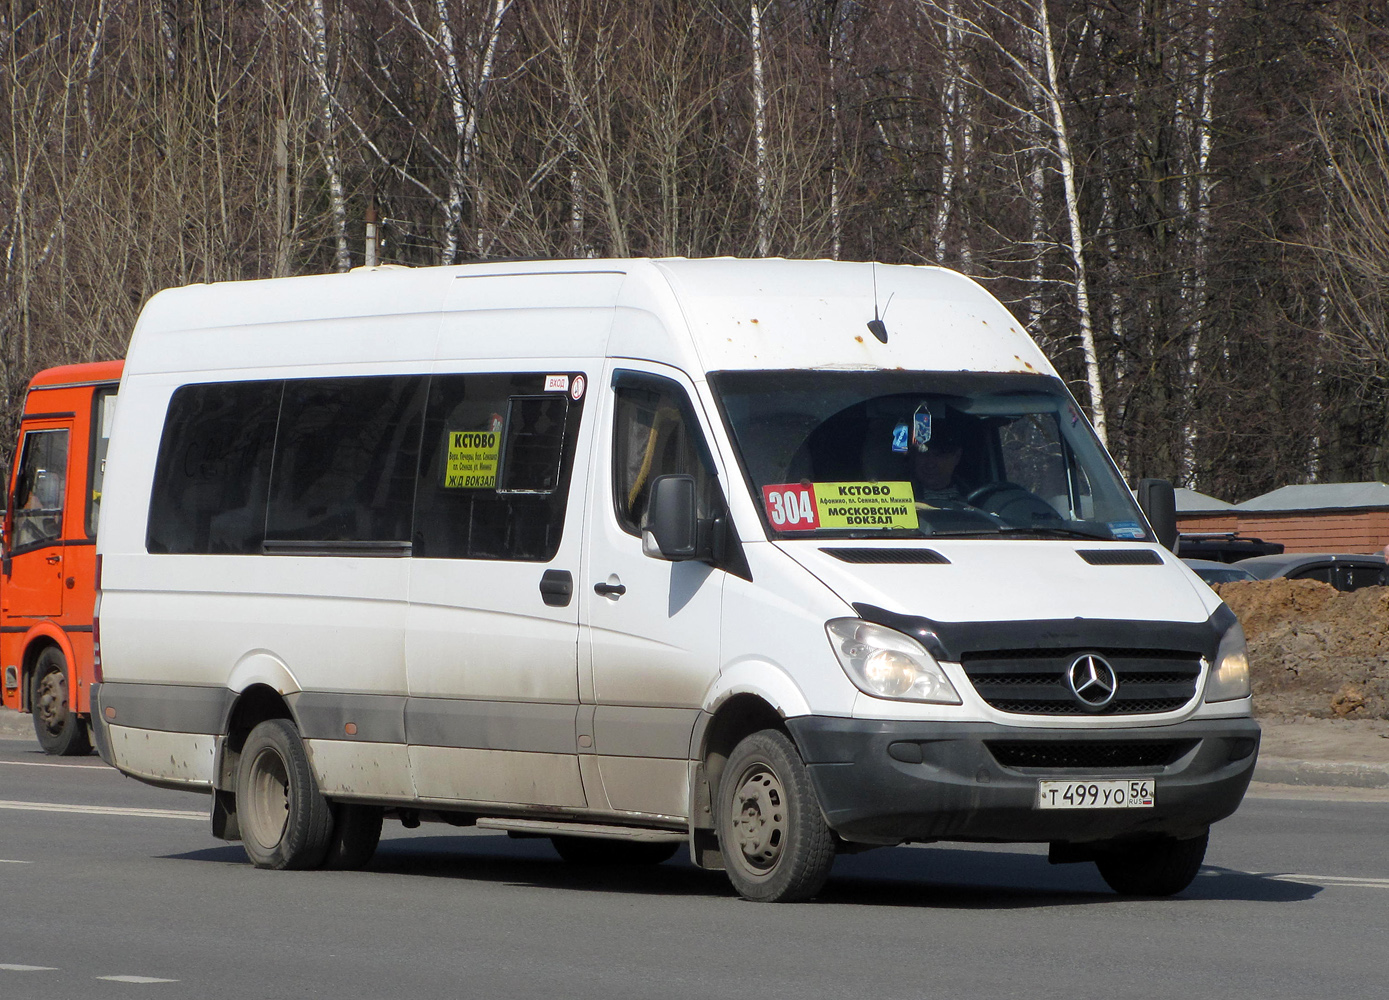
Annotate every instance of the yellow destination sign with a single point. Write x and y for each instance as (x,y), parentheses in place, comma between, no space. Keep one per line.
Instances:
(865,505)
(472,460)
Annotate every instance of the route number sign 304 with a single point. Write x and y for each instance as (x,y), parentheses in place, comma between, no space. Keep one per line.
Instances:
(1095,794)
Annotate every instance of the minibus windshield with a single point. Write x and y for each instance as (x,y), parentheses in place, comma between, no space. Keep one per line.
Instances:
(858,454)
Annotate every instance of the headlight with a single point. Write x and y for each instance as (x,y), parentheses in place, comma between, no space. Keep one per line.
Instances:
(1230,674)
(887,664)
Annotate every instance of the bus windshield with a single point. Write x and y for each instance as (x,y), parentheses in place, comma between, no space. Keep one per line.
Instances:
(859,454)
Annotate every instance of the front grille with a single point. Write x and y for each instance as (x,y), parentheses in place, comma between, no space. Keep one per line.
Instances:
(1090,755)
(1033,681)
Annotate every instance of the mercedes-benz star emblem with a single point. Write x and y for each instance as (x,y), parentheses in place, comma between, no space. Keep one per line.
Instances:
(1092,681)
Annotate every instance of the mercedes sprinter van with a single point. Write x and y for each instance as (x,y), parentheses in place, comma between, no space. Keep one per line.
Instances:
(774,559)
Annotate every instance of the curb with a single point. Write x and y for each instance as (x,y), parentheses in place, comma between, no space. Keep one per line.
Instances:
(1342,774)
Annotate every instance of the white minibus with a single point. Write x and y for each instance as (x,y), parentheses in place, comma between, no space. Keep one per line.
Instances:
(773,559)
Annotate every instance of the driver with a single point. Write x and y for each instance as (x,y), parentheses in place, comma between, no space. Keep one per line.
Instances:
(933,462)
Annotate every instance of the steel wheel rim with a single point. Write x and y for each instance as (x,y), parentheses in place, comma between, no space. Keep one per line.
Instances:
(759,815)
(267,812)
(52,702)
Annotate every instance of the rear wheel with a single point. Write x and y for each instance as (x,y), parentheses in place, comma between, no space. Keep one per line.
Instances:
(775,843)
(598,851)
(1154,868)
(60,731)
(284,821)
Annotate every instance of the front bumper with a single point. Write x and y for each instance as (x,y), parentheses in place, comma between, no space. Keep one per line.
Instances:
(893,781)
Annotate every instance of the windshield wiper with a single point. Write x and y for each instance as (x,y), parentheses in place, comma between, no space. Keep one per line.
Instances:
(1035,532)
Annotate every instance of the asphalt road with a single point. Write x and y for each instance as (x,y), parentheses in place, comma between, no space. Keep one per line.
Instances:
(125,881)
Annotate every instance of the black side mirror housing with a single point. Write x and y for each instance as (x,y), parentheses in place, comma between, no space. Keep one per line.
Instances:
(1158,501)
(671,527)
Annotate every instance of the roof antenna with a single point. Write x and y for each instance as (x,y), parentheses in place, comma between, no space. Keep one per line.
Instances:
(875,325)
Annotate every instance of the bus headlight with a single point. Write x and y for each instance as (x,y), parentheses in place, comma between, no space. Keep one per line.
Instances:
(1229,677)
(888,664)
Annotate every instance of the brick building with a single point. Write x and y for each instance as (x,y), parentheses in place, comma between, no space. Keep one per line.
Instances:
(1329,517)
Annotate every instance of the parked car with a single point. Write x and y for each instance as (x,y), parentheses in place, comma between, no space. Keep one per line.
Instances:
(1223,546)
(1218,572)
(1345,571)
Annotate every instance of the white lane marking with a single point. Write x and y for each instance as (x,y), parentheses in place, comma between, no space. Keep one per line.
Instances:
(7,861)
(26,968)
(135,979)
(1332,880)
(44,763)
(102,810)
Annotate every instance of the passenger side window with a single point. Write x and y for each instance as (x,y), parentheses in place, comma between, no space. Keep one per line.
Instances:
(346,456)
(655,434)
(213,471)
(39,489)
(498,456)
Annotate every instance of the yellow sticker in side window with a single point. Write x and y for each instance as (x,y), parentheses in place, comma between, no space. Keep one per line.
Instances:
(807,507)
(472,460)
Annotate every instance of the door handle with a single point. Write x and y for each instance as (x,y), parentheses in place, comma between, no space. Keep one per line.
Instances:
(610,589)
(556,587)
(54,559)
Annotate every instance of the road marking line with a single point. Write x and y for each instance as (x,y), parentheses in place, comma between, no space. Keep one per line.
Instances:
(1332,880)
(26,968)
(44,763)
(7,861)
(135,979)
(102,810)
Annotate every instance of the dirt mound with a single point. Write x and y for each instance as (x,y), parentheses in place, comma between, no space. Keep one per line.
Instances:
(1313,650)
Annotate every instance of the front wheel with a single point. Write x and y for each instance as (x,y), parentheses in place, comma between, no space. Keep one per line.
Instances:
(1155,868)
(775,843)
(285,822)
(60,731)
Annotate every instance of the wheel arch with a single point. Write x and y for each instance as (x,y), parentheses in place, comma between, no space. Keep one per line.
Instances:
(44,635)
(748,695)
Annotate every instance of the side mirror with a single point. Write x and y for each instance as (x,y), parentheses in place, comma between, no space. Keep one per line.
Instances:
(671,530)
(1159,503)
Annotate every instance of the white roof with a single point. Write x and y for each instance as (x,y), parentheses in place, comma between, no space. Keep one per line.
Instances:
(709,315)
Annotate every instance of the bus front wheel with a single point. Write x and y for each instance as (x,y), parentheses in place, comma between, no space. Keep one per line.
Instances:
(60,731)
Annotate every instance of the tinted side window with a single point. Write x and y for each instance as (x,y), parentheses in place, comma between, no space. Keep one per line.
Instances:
(1322,573)
(655,434)
(39,489)
(213,470)
(494,478)
(1355,577)
(345,459)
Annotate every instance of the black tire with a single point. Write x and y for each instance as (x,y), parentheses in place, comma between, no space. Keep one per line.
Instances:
(60,731)
(1155,868)
(775,843)
(284,821)
(598,851)
(356,832)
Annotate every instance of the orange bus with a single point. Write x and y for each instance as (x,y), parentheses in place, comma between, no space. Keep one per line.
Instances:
(48,560)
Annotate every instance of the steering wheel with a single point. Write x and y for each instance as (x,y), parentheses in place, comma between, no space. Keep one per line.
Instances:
(989,490)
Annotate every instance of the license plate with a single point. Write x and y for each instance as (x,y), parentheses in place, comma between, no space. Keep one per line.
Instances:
(1095,794)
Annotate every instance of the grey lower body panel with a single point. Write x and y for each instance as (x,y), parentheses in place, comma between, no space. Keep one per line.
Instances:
(169,708)
(892,781)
